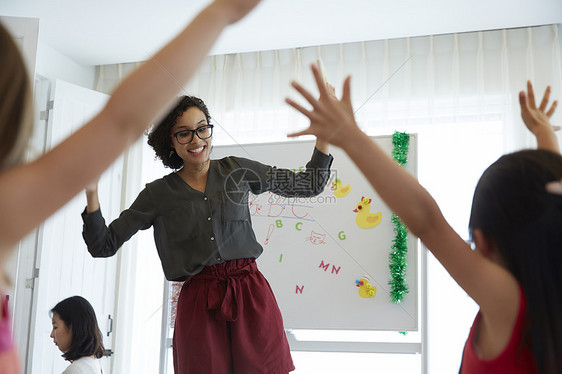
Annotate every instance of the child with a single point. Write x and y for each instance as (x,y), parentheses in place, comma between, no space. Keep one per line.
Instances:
(77,335)
(32,192)
(514,274)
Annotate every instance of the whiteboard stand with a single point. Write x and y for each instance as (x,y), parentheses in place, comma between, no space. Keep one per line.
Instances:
(378,347)
(351,347)
(424,309)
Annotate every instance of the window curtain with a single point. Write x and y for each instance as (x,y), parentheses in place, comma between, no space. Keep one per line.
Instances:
(397,84)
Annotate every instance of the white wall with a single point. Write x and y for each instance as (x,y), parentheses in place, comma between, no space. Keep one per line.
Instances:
(53,65)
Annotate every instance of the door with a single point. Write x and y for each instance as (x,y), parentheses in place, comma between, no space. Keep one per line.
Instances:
(65,268)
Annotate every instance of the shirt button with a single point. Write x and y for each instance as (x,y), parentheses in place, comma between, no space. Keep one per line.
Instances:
(208,218)
(212,238)
(205,198)
(218,258)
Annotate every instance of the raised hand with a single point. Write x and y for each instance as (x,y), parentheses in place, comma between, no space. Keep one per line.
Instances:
(532,116)
(331,120)
(237,8)
(537,120)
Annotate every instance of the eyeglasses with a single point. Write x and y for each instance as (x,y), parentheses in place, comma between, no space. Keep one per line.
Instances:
(186,136)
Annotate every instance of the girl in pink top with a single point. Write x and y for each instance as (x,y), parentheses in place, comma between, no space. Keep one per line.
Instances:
(29,193)
(8,358)
(515,271)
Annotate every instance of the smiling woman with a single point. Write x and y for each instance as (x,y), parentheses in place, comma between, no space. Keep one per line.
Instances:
(204,236)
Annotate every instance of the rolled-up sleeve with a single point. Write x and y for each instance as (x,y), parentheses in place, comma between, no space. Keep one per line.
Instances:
(289,183)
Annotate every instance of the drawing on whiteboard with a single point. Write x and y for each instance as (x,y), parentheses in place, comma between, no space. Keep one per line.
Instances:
(316,238)
(269,232)
(339,190)
(366,290)
(365,219)
(295,211)
(255,208)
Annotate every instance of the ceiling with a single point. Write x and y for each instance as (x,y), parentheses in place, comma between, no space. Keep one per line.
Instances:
(95,32)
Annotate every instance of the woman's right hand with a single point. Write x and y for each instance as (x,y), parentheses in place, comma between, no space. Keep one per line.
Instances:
(92,187)
(92,199)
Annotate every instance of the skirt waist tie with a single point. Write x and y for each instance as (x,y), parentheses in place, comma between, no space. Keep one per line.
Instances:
(223,290)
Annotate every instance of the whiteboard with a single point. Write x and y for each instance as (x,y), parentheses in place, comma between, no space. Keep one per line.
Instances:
(315,251)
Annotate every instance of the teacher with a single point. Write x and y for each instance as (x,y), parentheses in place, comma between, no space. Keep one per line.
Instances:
(228,320)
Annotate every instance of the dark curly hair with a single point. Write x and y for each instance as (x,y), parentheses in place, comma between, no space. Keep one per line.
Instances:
(78,314)
(159,135)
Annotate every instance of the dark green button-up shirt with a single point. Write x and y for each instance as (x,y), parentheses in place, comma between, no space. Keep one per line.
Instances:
(193,229)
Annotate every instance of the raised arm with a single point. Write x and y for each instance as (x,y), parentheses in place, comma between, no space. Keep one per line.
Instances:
(30,193)
(537,120)
(333,121)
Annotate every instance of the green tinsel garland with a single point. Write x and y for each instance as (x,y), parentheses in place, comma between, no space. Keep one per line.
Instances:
(397,265)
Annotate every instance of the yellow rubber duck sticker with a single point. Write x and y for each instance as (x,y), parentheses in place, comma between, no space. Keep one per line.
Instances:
(340,191)
(366,290)
(364,219)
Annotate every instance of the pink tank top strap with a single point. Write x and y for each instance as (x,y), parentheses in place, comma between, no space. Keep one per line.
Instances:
(5,325)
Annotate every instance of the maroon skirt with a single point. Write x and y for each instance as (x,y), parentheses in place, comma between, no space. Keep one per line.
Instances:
(228,322)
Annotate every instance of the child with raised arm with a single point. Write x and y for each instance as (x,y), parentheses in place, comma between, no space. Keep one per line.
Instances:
(514,274)
(30,193)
